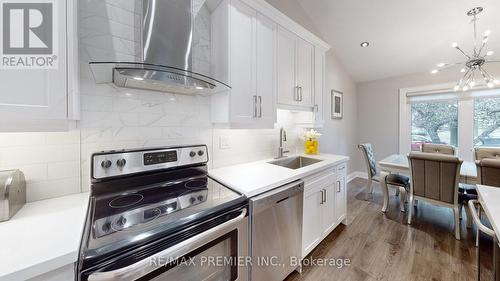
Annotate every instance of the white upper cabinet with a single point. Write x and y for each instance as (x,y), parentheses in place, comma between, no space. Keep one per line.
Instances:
(299,63)
(266,71)
(243,21)
(286,63)
(319,87)
(251,45)
(38,98)
(305,73)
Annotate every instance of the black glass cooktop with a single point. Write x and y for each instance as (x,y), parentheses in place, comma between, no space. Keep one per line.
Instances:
(140,203)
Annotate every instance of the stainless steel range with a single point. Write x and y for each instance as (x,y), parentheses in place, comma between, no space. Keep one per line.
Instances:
(155,214)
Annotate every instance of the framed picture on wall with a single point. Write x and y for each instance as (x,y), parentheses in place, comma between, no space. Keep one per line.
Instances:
(337,104)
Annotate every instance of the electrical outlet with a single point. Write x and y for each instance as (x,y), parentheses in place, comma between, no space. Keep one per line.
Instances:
(224,142)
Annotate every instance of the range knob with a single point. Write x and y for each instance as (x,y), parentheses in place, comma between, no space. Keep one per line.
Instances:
(106,227)
(121,162)
(192,154)
(121,221)
(201,152)
(192,200)
(200,198)
(106,164)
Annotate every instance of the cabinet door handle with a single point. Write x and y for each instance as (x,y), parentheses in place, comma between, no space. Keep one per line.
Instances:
(322,197)
(255,106)
(326,196)
(316,108)
(300,93)
(338,186)
(260,106)
(296,97)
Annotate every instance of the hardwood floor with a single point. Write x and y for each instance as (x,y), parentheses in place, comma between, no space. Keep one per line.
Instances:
(383,247)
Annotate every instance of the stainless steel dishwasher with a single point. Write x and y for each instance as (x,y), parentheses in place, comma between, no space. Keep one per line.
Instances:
(276,232)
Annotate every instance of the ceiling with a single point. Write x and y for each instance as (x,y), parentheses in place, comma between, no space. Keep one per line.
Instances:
(406,37)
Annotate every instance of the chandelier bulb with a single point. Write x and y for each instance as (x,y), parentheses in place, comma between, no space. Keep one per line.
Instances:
(490,53)
(454,45)
(456,88)
(465,88)
(472,84)
(434,71)
(485,40)
(487,33)
(496,81)
(462,70)
(491,85)
(442,64)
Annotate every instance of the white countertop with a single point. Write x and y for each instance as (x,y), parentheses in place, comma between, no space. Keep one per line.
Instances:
(489,196)
(42,236)
(258,177)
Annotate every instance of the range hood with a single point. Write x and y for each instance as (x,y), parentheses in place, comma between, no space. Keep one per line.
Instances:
(173,51)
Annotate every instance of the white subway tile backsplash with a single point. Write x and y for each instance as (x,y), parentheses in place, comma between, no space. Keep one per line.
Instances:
(21,139)
(40,156)
(39,190)
(63,170)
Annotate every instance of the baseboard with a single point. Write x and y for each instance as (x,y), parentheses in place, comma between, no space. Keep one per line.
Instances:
(356,174)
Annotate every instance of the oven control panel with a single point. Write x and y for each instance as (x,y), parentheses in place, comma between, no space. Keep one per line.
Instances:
(114,163)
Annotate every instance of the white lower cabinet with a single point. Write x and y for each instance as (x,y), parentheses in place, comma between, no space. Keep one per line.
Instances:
(324,206)
(340,193)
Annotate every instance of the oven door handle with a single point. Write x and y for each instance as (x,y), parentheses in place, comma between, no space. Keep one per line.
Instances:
(146,266)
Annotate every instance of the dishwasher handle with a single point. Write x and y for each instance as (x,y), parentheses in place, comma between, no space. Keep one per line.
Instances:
(276,196)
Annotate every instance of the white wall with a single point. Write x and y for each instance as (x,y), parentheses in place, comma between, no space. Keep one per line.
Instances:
(378,108)
(340,135)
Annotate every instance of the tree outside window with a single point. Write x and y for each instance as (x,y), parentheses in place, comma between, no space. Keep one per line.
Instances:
(434,122)
(487,122)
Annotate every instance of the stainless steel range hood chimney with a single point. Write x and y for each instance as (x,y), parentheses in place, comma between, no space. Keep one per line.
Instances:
(174,53)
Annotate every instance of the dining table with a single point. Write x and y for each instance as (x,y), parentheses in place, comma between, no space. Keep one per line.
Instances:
(398,164)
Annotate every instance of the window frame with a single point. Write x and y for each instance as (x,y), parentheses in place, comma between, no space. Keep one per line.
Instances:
(465,116)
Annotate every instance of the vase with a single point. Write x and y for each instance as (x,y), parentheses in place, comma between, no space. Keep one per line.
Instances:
(311,146)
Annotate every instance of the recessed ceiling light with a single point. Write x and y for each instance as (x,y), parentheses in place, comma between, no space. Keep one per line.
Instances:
(365,44)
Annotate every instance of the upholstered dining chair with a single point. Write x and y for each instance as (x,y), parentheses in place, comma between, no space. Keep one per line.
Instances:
(438,148)
(488,173)
(463,189)
(393,179)
(434,178)
(486,164)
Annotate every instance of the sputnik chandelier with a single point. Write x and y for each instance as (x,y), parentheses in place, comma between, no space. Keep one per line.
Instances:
(473,69)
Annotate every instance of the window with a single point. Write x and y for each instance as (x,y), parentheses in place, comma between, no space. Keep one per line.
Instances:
(462,119)
(487,122)
(434,122)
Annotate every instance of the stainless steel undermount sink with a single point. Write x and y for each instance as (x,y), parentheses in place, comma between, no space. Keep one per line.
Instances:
(295,162)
